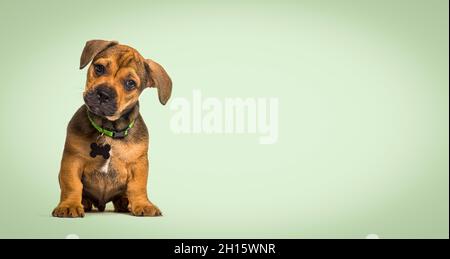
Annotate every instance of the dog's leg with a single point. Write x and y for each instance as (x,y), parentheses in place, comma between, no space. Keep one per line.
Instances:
(101,207)
(71,188)
(137,190)
(121,204)
(87,204)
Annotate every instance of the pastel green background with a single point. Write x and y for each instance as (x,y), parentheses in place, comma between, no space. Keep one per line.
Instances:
(363,133)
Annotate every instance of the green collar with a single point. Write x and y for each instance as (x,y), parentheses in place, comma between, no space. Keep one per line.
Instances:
(109,133)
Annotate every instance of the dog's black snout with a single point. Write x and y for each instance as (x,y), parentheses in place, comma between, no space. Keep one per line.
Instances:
(102,100)
(104,94)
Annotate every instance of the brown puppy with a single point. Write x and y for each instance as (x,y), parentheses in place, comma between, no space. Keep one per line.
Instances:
(105,154)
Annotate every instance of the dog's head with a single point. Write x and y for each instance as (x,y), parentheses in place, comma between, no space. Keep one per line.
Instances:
(117,76)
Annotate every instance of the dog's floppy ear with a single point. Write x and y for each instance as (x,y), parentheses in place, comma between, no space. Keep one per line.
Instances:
(158,77)
(92,48)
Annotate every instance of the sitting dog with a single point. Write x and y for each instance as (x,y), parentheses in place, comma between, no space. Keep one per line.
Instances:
(105,153)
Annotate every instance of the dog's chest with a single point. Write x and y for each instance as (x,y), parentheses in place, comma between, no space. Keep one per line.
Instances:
(105,179)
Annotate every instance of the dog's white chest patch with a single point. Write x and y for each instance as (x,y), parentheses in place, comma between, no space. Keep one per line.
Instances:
(105,168)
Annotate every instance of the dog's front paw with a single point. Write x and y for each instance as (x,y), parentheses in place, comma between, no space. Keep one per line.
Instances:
(68,211)
(145,210)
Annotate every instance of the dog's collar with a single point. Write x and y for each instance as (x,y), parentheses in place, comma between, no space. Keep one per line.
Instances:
(111,133)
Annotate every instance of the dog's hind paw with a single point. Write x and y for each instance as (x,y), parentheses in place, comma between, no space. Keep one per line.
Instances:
(69,211)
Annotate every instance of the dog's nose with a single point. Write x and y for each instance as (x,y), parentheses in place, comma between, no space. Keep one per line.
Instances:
(103,95)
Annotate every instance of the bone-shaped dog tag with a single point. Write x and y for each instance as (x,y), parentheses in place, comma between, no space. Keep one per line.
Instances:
(100,150)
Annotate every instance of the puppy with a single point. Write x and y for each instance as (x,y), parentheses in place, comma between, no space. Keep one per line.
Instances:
(105,153)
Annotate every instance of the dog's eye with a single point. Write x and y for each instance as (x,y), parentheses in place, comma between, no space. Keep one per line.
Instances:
(99,69)
(130,84)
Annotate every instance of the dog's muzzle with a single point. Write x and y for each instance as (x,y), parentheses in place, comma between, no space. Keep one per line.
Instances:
(101,100)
